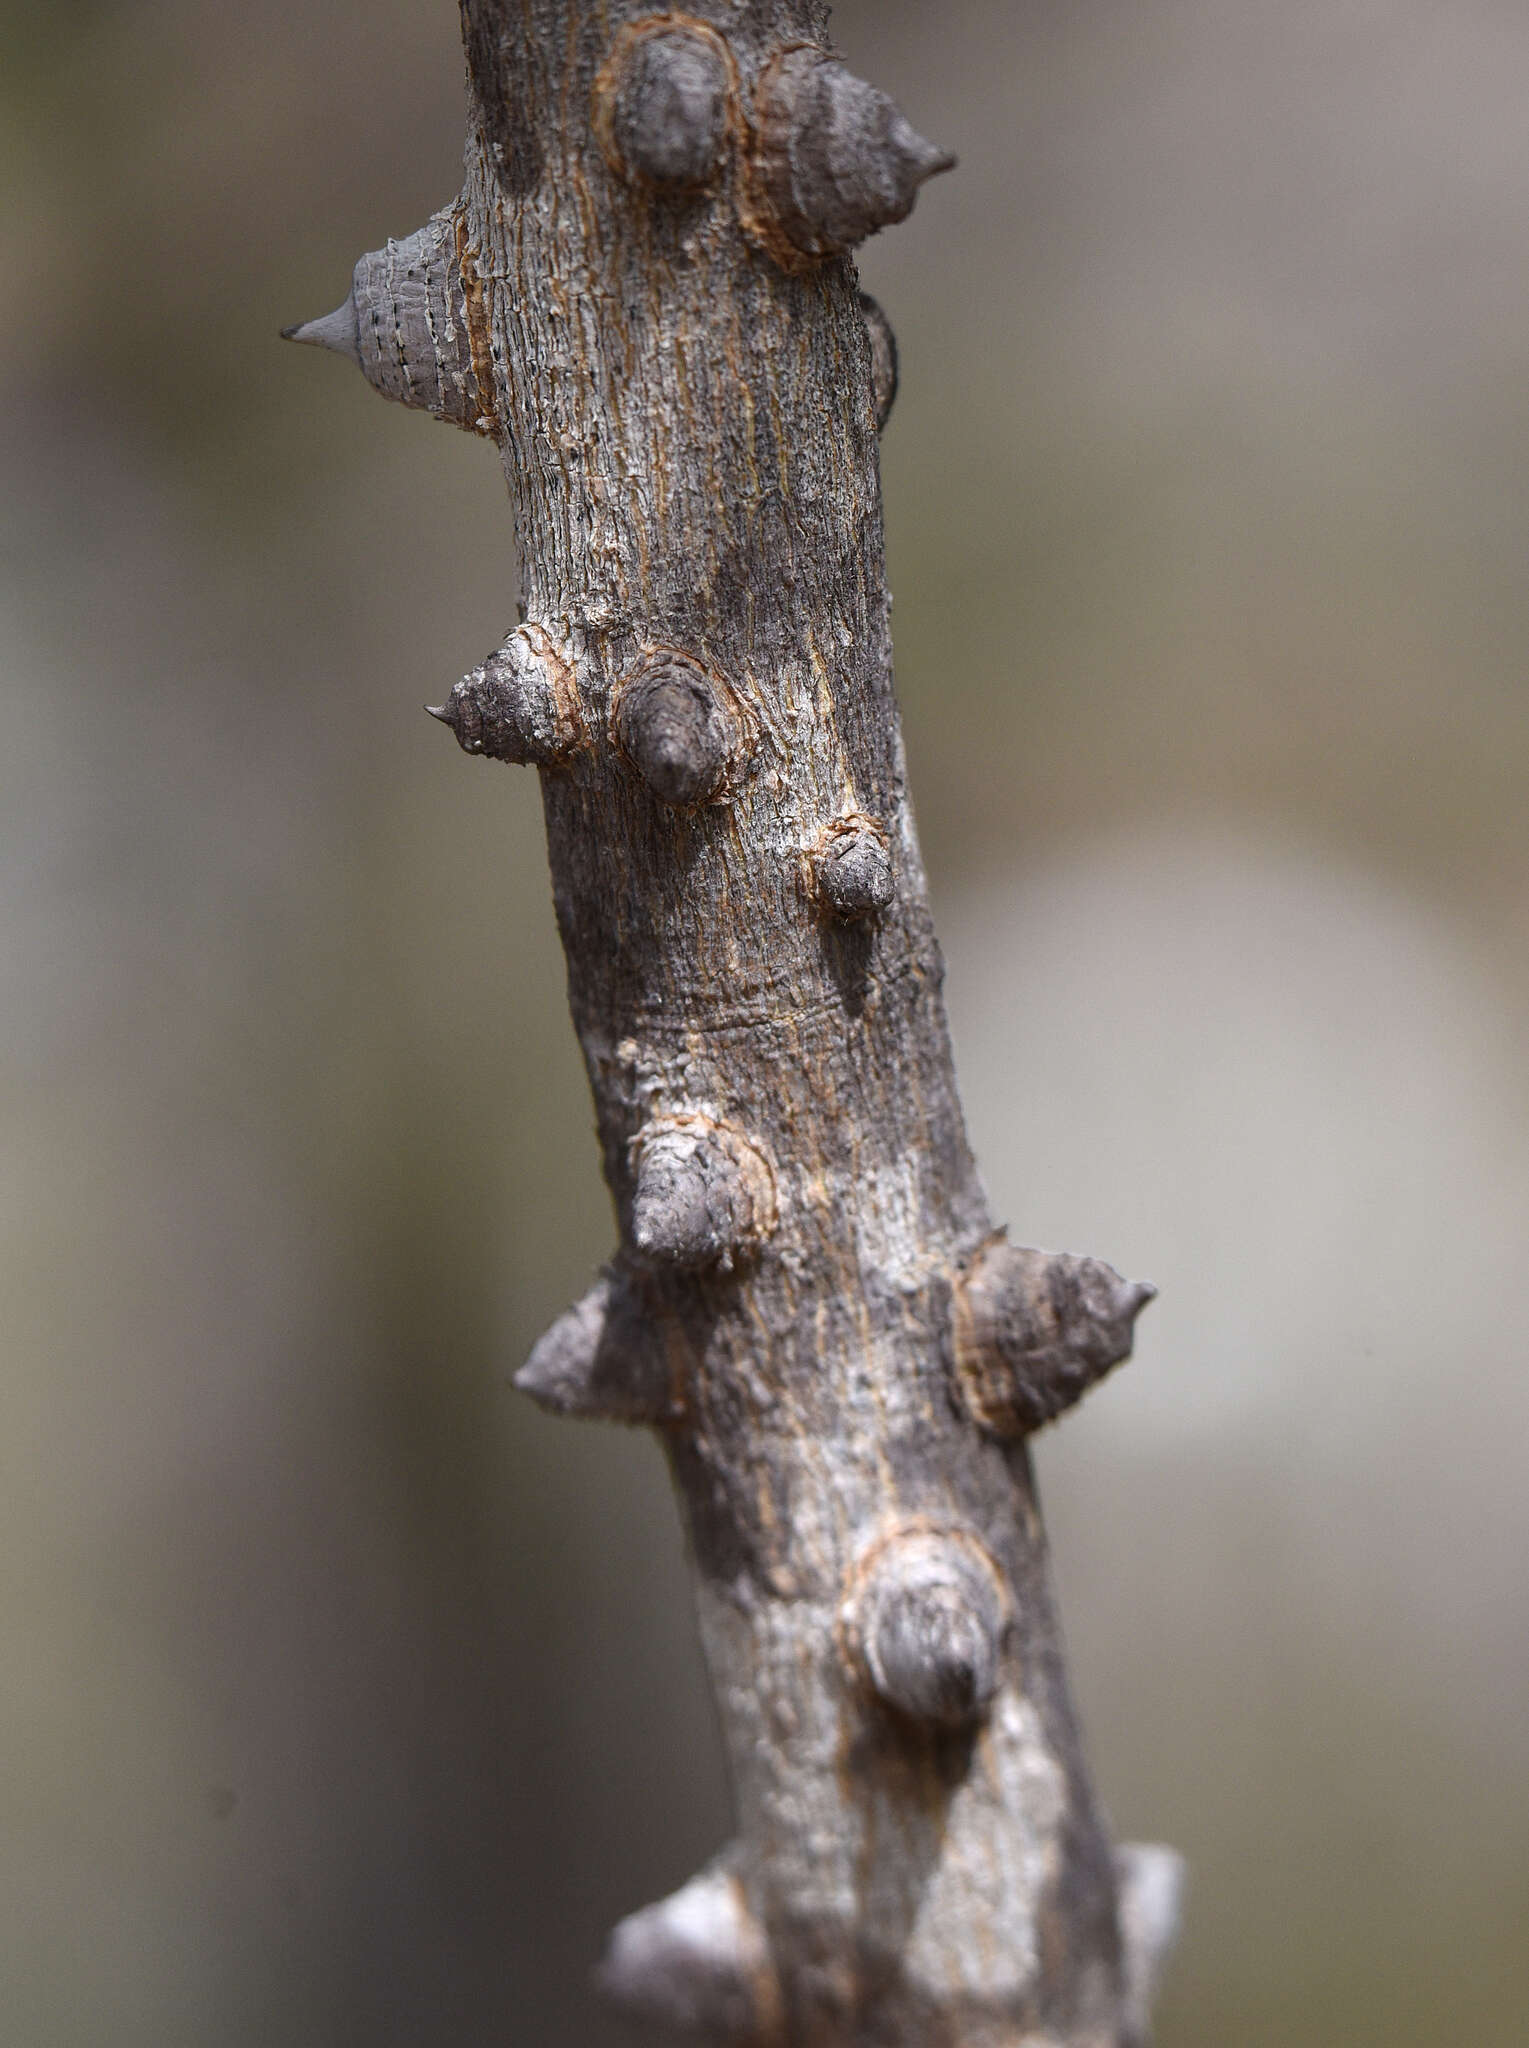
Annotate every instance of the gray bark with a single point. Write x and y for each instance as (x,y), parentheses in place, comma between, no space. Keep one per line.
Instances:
(645,294)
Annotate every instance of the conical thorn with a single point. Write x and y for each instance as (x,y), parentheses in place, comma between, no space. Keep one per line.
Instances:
(602,1358)
(1150,1878)
(834,159)
(696,1965)
(1035,1330)
(927,158)
(1135,1296)
(338,331)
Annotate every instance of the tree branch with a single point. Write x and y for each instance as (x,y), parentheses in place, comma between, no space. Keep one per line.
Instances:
(645,294)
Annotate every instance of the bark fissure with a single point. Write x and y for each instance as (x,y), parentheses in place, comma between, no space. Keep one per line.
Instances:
(645,294)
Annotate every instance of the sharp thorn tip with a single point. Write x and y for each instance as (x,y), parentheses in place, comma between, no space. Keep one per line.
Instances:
(336,331)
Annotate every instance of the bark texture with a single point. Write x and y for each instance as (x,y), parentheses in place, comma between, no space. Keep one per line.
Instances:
(644,294)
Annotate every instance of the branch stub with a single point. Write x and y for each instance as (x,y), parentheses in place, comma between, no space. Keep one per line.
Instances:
(702,1195)
(681,727)
(663,103)
(852,869)
(928,1619)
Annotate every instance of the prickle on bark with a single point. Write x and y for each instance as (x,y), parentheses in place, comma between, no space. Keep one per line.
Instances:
(1033,1331)
(1150,1879)
(833,159)
(520,705)
(695,1966)
(603,1358)
(416,326)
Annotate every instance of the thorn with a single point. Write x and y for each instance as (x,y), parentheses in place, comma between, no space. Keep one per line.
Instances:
(601,1359)
(695,1964)
(835,159)
(522,705)
(417,324)
(925,159)
(681,1208)
(337,331)
(1035,1330)
(1151,1896)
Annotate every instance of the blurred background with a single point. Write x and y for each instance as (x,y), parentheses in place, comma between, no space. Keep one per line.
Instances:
(343,1698)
